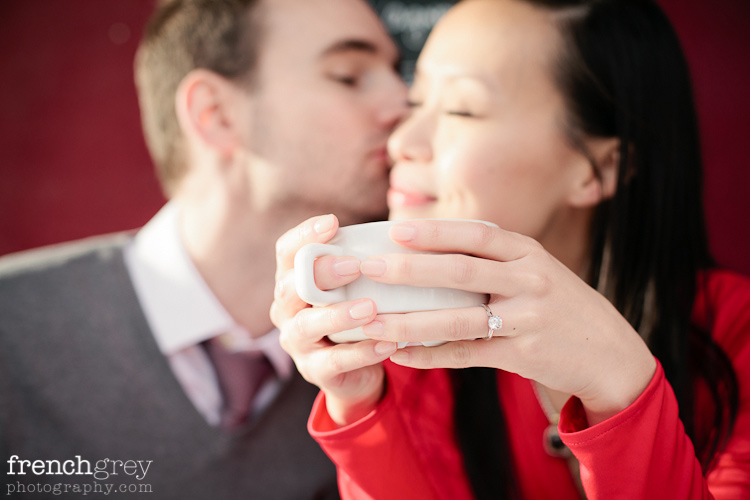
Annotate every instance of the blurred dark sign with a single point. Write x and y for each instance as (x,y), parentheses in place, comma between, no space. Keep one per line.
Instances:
(409,22)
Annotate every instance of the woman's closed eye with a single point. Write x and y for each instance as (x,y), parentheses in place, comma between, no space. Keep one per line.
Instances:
(460,113)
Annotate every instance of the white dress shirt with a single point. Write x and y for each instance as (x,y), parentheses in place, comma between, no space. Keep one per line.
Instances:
(182,312)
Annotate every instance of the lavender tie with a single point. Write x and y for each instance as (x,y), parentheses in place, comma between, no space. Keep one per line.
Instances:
(241,375)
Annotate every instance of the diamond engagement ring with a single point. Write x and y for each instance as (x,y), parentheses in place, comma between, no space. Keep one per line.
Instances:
(493,322)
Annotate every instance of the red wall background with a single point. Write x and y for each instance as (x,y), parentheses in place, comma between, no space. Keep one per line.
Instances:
(73,162)
(72,158)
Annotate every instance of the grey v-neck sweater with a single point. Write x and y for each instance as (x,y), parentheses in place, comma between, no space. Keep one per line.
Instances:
(81,376)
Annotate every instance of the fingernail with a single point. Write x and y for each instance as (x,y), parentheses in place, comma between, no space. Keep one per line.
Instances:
(361,310)
(373,267)
(403,232)
(279,291)
(400,357)
(346,266)
(374,329)
(383,348)
(323,224)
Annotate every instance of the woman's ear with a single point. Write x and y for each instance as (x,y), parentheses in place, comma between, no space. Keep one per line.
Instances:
(600,182)
(206,106)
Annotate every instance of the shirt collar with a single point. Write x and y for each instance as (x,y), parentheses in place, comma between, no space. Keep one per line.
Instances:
(181,309)
(179,306)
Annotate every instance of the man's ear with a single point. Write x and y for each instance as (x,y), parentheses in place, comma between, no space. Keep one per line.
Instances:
(206,106)
(600,181)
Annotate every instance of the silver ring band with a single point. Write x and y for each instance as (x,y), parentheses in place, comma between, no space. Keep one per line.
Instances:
(493,322)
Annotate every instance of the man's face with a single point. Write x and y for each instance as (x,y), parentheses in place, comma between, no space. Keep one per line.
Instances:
(326,100)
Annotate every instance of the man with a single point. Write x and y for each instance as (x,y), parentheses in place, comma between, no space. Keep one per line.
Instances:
(120,357)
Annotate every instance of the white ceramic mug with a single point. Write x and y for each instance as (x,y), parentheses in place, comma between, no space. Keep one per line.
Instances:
(362,241)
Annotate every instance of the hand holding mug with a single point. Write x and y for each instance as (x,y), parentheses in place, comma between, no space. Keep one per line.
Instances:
(363,241)
(350,375)
(556,329)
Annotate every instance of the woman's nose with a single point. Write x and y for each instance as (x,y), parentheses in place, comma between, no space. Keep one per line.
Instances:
(412,139)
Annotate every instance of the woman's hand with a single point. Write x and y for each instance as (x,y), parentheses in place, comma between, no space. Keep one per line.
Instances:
(350,375)
(556,329)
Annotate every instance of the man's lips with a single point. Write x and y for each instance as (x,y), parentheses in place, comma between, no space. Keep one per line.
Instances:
(380,153)
(399,198)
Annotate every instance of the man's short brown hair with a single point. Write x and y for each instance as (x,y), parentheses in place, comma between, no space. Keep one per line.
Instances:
(182,35)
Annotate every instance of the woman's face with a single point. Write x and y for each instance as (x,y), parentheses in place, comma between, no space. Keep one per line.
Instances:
(485,136)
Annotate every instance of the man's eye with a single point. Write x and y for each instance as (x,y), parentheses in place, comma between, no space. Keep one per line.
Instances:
(413,104)
(349,81)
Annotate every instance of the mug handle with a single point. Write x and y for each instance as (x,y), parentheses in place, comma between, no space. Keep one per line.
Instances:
(304,278)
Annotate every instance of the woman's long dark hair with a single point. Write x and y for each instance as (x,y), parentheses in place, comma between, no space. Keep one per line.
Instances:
(622,73)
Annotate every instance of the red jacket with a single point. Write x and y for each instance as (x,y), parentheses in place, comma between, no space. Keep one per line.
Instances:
(405,449)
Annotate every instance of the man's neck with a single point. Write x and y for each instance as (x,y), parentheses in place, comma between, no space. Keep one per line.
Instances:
(234,250)
(235,259)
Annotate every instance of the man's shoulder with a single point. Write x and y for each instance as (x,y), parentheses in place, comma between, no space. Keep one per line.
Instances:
(76,281)
(59,256)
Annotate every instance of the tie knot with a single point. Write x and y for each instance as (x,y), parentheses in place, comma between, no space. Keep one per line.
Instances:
(240,375)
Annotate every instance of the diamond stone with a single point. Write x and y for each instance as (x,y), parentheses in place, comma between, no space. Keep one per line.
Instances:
(495,322)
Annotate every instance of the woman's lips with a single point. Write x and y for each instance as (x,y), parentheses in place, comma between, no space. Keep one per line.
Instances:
(398,198)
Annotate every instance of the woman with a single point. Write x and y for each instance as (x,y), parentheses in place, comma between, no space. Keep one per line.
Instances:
(569,124)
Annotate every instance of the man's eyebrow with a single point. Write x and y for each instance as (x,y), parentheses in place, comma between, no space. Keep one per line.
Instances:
(349,46)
